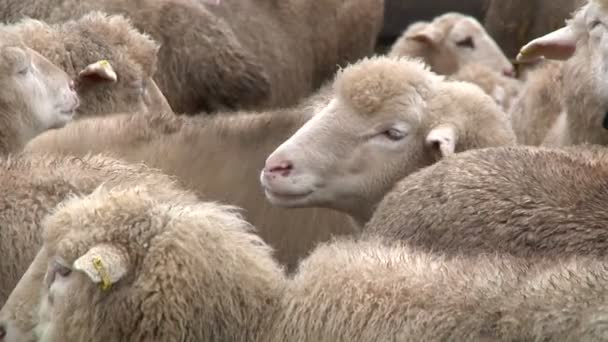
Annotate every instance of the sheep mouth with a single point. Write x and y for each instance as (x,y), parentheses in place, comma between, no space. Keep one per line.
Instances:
(287,199)
(69,113)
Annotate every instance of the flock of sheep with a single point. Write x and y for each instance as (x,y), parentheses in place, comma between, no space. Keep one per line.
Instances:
(253,170)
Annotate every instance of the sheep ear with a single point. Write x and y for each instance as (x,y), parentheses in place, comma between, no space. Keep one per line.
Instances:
(104,264)
(443,138)
(428,35)
(559,44)
(99,70)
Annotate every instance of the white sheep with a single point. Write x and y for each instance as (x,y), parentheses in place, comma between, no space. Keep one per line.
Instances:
(388,118)
(580,79)
(450,42)
(376,291)
(35,94)
(122,264)
(110,61)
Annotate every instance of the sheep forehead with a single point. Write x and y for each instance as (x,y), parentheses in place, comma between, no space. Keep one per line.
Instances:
(467,25)
(582,14)
(375,83)
(449,20)
(597,8)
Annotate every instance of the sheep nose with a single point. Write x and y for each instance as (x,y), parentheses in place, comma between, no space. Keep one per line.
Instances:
(509,72)
(2,331)
(282,168)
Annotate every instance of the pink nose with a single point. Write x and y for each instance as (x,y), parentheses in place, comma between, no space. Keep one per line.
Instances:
(282,168)
(510,72)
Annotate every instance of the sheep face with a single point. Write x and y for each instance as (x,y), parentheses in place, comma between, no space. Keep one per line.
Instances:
(67,286)
(454,40)
(34,88)
(19,316)
(337,157)
(468,41)
(373,133)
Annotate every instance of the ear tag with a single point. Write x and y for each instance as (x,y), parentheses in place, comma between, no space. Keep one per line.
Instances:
(106,284)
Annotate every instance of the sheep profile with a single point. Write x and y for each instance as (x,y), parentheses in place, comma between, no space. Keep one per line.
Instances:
(123,265)
(450,42)
(581,46)
(35,94)
(376,291)
(389,117)
(79,46)
(240,53)
(521,200)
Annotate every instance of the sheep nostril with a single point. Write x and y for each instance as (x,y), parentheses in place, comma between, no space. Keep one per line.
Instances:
(509,72)
(283,168)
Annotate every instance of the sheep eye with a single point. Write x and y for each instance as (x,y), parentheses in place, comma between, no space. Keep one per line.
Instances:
(466,43)
(23,71)
(595,24)
(62,270)
(394,134)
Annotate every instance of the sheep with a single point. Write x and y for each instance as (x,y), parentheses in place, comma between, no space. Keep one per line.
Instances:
(513,23)
(523,200)
(167,270)
(238,54)
(33,185)
(80,46)
(504,90)
(580,43)
(389,118)
(450,42)
(221,157)
(373,290)
(35,94)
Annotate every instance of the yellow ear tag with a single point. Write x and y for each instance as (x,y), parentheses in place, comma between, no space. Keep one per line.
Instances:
(104,62)
(101,269)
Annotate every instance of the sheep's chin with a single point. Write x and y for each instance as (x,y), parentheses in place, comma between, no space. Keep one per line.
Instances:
(288,200)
